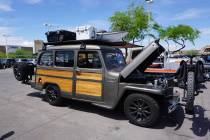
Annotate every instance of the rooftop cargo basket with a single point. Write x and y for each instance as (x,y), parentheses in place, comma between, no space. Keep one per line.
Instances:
(60,36)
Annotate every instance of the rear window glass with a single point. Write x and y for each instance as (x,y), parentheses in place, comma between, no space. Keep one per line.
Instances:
(64,59)
(89,60)
(46,59)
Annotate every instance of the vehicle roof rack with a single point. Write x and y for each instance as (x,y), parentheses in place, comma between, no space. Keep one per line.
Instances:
(89,41)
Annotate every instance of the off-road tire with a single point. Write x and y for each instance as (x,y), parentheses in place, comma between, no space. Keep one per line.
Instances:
(23,70)
(52,95)
(189,108)
(133,110)
(19,71)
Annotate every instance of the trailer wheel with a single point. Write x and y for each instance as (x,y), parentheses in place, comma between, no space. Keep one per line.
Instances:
(189,108)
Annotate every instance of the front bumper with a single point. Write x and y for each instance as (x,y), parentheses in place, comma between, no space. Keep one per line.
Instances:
(173,103)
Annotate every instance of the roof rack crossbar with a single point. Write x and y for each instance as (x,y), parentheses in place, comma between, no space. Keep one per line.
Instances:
(90,42)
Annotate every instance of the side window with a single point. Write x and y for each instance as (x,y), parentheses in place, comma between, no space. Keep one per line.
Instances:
(89,60)
(64,59)
(46,59)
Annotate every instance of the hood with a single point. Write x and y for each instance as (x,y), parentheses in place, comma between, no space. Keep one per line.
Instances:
(144,59)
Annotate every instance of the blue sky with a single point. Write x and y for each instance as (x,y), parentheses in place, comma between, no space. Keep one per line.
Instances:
(23,20)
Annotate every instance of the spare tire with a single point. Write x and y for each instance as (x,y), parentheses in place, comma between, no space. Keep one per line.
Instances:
(200,71)
(181,74)
(22,70)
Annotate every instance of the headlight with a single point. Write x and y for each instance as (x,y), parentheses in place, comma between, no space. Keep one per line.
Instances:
(163,82)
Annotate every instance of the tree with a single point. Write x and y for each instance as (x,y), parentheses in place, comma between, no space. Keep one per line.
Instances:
(2,55)
(192,52)
(135,21)
(179,34)
(20,54)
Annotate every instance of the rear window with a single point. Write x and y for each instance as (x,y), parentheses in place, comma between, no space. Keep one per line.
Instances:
(46,59)
(89,59)
(64,59)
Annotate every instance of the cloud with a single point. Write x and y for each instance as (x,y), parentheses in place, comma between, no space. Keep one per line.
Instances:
(5,7)
(189,14)
(205,31)
(5,30)
(32,2)
(99,24)
(10,39)
(15,40)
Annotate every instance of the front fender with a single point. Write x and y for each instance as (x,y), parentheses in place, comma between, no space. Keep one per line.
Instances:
(144,90)
(127,88)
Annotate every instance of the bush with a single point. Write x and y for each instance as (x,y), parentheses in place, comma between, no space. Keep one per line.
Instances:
(2,55)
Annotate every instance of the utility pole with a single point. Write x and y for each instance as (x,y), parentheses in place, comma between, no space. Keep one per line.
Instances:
(6,37)
(149,2)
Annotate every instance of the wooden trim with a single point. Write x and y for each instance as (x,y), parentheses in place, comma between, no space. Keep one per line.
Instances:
(89,88)
(89,76)
(64,84)
(156,70)
(57,73)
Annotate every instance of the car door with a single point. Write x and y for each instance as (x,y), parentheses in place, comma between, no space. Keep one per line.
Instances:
(56,67)
(89,75)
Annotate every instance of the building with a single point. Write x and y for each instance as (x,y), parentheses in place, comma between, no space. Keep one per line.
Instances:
(205,50)
(12,48)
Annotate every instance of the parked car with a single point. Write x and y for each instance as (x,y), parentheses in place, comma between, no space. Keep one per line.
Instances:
(10,62)
(206,61)
(97,73)
(2,64)
(33,61)
(132,53)
(173,61)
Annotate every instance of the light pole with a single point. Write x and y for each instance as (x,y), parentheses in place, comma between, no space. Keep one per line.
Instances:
(149,2)
(6,37)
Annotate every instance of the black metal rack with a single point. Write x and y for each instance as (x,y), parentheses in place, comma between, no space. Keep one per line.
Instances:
(89,42)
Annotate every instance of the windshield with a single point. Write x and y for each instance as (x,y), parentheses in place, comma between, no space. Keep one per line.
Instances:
(114,60)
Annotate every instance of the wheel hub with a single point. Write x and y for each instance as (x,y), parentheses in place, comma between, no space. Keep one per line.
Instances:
(140,110)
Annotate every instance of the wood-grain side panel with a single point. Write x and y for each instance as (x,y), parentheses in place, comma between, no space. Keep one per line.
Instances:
(65,85)
(90,76)
(66,74)
(89,88)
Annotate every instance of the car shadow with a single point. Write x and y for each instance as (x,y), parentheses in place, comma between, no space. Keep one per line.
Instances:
(36,94)
(201,124)
(202,86)
(116,114)
(175,120)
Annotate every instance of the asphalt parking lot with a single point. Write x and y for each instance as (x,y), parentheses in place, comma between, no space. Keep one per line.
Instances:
(25,116)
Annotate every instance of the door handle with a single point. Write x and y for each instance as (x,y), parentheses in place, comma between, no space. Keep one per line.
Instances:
(78,71)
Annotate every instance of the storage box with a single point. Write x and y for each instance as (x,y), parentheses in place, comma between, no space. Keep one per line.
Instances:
(60,36)
(85,32)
